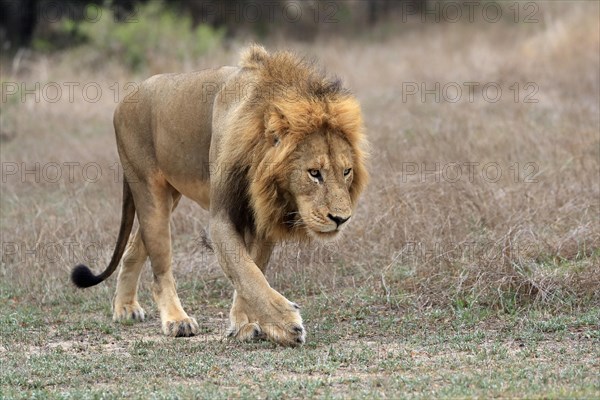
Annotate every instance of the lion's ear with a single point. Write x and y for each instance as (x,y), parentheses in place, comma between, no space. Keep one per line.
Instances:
(276,124)
(273,138)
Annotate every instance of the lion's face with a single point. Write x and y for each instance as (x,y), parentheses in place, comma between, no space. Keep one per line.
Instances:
(320,184)
(307,170)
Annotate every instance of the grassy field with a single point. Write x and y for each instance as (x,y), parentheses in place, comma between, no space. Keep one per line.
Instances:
(358,346)
(471,268)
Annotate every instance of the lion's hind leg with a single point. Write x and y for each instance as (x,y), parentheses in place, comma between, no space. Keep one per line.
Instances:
(125,303)
(154,203)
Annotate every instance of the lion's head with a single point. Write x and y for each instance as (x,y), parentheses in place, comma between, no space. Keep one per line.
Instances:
(304,145)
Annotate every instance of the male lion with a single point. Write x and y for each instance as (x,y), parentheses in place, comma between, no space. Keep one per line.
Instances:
(272,148)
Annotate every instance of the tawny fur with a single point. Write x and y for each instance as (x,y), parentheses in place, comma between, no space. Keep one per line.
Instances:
(243,143)
(293,100)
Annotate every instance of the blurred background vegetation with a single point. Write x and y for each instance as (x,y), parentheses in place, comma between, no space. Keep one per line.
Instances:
(130,28)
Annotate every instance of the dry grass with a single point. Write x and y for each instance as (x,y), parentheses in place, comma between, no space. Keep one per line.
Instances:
(533,236)
(440,287)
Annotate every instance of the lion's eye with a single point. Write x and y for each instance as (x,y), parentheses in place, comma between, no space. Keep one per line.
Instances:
(347,171)
(315,173)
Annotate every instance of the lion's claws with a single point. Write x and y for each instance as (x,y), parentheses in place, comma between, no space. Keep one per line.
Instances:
(184,328)
(129,313)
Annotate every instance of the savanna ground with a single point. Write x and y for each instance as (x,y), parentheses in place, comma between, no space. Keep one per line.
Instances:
(471,268)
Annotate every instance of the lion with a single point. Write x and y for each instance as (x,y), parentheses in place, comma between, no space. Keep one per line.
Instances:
(273,148)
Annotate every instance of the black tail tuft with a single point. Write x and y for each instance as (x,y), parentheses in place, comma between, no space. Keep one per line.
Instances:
(83,277)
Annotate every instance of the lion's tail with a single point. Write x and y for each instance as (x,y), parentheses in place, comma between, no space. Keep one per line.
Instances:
(81,275)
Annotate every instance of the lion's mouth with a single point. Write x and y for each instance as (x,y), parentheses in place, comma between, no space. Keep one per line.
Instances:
(323,232)
(328,233)
(318,228)
(328,229)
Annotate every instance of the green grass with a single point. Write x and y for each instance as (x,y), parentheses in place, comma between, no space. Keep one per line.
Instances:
(358,347)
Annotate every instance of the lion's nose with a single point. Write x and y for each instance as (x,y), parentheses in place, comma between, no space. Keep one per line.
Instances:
(338,220)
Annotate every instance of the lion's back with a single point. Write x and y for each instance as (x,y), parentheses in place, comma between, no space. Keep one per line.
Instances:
(166,124)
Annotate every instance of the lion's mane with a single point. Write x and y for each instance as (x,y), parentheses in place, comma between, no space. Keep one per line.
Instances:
(287,100)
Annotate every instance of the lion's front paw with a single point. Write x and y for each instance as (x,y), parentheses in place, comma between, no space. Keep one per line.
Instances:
(181,328)
(276,319)
(128,312)
(246,332)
